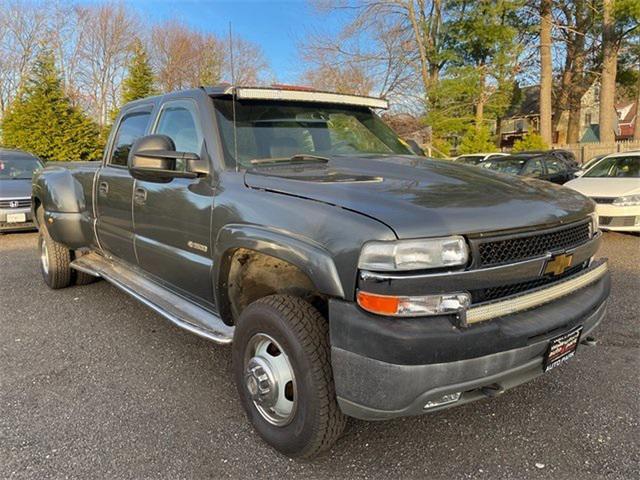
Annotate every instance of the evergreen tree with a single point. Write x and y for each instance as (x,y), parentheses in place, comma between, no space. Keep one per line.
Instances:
(43,121)
(139,81)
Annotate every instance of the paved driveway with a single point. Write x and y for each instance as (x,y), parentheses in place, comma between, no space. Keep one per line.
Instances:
(95,385)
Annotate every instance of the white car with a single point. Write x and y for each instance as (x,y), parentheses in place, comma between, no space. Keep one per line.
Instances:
(614,184)
(477,158)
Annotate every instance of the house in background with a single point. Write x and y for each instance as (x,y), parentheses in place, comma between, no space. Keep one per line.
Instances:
(627,118)
(525,117)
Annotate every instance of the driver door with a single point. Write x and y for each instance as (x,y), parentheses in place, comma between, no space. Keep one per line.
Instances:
(172,217)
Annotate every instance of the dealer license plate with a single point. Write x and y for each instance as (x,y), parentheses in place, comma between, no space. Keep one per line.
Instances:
(561,349)
(16,217)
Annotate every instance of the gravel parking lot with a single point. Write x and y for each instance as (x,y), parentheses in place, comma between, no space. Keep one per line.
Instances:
(95,385)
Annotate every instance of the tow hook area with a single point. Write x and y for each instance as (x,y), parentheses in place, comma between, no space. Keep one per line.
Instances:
(492,390)
(589,341)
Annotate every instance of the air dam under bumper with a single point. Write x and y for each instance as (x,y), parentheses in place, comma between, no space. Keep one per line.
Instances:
(385,368)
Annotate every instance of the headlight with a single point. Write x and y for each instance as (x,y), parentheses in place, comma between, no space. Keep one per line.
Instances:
(414,254)
(627,201)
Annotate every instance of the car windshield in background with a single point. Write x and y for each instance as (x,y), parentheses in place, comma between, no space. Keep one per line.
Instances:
(505,165)
(618,167)
(273,130)
(469,159)
(18,169)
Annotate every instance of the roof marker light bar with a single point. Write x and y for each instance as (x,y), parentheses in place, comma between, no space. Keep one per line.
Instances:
(309,96)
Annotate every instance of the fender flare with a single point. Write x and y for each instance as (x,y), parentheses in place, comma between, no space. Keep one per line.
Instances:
(56,190)
(304,253)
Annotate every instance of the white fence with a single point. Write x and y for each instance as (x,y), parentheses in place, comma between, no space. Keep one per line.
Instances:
(586,151)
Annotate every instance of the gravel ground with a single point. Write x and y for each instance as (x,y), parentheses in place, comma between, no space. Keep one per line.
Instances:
(95,385)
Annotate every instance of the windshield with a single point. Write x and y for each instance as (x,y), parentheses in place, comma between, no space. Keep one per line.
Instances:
(621,167)
(278,130)
(470,159)
(502,165)
(18,169)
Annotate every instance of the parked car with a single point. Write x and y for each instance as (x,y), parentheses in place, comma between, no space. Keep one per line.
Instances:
(16,170)
(588,164)
(565,156)
(614,184)
(477,158)
(544,166)
(351,277)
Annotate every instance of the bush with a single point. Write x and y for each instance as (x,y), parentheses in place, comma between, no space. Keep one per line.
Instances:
(531,141)
(477,140)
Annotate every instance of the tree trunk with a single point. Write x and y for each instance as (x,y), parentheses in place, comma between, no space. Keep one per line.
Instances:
(636,128)
(546,72)
(579,87)
(481,99)
(608,77)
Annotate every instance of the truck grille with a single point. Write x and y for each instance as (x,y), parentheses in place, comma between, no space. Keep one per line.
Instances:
(487,294)
(514,249)
(15,203)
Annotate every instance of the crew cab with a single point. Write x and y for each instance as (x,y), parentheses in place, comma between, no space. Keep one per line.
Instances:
(350,276)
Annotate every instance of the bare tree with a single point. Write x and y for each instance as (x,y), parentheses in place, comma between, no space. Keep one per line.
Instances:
(546,71)
(22,34)
(185,58)
(379,44)
(105,31)
(250,65)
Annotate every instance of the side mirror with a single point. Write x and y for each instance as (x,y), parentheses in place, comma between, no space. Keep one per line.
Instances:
(578,173)
(155,157)
(414,147)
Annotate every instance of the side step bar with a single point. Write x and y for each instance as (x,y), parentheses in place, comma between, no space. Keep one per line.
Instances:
(176,309)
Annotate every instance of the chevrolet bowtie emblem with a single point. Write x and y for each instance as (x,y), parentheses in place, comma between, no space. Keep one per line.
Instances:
(558,264)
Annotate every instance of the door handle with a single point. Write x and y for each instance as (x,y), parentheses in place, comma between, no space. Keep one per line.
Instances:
(140,196)
(103,189)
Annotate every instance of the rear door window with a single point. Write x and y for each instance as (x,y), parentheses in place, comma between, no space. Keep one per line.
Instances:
(533,168)
(132,126)
(179,121)
(554,166)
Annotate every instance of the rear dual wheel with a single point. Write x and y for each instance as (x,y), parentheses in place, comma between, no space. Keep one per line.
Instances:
(55,260)
(282,369)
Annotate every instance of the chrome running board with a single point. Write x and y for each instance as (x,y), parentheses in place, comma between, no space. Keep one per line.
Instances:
(178,310)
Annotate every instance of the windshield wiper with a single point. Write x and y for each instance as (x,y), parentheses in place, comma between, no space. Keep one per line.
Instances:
(298,157)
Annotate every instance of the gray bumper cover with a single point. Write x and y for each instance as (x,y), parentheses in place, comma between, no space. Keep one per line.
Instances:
(371,389)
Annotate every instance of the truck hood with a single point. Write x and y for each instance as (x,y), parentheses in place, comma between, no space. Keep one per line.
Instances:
(419,197)
(15,188)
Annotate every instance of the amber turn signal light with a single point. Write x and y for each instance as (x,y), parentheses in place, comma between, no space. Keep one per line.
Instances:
(380,304)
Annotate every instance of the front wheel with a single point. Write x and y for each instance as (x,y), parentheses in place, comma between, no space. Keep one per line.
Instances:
(282,369)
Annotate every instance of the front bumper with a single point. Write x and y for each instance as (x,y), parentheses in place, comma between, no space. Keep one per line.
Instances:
(7,226)
(389,367)
(621,219)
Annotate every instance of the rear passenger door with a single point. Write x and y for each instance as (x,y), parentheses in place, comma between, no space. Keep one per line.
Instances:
(114,187)
(173,218)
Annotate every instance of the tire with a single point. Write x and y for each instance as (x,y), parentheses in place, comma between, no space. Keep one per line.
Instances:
(294,327)
(54,261)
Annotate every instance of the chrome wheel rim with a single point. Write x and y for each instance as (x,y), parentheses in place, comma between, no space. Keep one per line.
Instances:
(44,256)
(270,380)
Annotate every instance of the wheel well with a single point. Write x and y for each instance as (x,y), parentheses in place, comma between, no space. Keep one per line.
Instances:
(250,275)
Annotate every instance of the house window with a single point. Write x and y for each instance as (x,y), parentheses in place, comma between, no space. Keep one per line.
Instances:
(587,119)
(519,125)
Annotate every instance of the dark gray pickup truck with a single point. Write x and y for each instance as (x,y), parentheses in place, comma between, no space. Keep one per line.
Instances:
(351,276)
